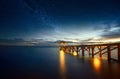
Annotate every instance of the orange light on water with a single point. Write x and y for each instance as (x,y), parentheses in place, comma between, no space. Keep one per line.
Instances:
(97,64)
(62,59)
(62,64)
(75,53)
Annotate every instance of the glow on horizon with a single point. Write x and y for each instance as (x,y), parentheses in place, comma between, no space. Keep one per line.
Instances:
(79,35)
(107,40)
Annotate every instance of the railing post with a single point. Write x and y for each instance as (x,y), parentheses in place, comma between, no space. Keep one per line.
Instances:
(109,53)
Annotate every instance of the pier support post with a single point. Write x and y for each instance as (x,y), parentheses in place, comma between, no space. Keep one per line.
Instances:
(109,53)
(92,51)
(69,50)
(77,50)
(119,52)
(89,50)
(82,51)
(72,50)
(100,53)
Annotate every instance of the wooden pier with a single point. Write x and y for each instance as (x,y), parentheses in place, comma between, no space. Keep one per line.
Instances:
(95,49)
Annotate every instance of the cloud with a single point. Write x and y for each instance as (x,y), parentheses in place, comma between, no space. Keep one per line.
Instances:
(22,42)
(16,42)
(108,29)
(113,32)
(72,39)
(63,40)
(111,35)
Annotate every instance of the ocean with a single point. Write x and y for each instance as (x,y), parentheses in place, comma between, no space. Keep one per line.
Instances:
(37,62)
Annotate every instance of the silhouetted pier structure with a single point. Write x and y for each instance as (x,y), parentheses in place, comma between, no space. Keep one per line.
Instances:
(94,49)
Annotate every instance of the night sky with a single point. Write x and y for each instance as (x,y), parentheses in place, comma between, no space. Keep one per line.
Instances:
(37,22)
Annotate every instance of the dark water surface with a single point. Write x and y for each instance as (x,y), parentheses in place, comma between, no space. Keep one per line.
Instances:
(50,63)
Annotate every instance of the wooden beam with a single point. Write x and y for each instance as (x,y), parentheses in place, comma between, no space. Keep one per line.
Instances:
(104,52)
(114,59)
(114,48)
(87,49)
(110,50)
(100,51)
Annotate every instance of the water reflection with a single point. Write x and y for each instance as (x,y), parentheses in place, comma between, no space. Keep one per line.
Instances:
(74,53)
(62,64)
(97,64)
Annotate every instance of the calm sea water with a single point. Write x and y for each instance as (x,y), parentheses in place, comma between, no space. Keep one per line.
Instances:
(50,63)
